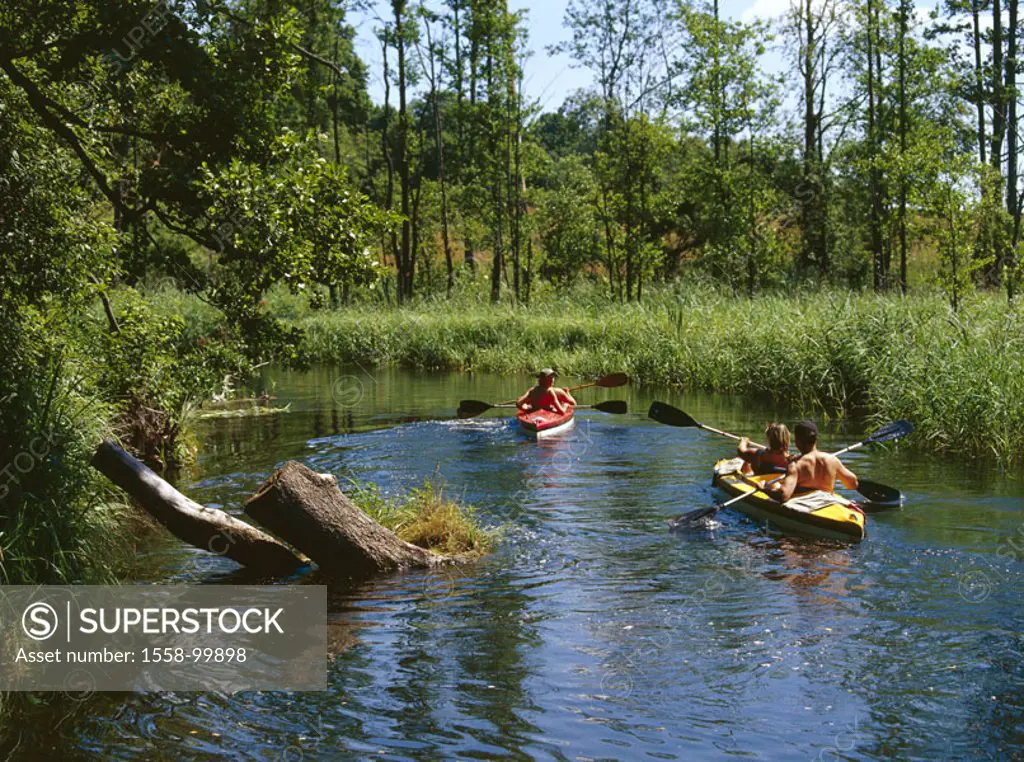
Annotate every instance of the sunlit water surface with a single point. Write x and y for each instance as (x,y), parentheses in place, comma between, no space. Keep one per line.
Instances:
(593,632)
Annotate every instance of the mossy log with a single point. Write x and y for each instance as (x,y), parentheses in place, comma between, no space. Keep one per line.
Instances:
(207,528)
(308,511)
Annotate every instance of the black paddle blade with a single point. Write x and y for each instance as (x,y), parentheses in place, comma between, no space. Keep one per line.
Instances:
(663,412)
(618,407)
(879,496)
(890,432)
(612,380)
(692,519)
(471,408)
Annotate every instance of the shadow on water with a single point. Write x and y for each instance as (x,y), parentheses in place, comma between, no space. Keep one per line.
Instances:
(592,631)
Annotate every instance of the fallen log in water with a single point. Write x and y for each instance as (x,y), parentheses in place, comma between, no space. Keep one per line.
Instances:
(206,528)
(307,510)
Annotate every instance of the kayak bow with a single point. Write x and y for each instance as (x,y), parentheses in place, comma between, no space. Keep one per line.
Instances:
(545,423)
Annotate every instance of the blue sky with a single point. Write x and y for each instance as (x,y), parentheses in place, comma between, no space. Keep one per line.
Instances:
(548,79)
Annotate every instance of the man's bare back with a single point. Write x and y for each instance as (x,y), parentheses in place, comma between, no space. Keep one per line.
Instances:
(814,469)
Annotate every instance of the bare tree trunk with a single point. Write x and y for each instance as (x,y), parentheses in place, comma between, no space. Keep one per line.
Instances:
(439,147)
(904,12)
(998,127)
(1012,205)
(515,189)
(498,263)
(979,76)
(407,268)
(309,511)
(875,223)
(208,529)
(389,193)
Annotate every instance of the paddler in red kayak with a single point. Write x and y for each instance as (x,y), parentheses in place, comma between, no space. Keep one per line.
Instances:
(761,460)
(545,395)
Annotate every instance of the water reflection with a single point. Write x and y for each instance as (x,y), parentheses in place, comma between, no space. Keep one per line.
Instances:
(593,632)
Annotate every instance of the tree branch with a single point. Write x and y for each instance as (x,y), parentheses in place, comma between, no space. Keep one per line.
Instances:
(39,103)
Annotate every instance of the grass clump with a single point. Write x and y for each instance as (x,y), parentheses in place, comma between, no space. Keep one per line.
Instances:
(427,518)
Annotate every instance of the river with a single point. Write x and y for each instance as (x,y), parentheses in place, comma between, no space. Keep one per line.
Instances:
(593,632)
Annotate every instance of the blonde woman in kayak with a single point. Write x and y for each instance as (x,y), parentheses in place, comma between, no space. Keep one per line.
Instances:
(761,460)
(545,395)
(813,469)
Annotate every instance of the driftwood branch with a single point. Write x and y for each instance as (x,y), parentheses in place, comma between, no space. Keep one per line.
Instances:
(206,528)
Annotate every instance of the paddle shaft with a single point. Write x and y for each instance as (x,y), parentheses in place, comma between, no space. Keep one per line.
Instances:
(575,407)
(713,430)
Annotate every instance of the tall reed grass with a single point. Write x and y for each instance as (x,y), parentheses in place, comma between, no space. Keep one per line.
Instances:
(59,522)
(960,378)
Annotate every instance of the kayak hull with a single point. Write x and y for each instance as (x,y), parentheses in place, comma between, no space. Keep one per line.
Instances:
(814,513)
(546,423)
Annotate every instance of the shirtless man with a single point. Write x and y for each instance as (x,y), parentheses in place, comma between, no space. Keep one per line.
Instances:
(813,469)
(545,395)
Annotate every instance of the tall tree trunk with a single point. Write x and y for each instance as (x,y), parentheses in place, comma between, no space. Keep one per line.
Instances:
(529,268)
(389,191)
(998,129)
(518,180)
(497,170)
(470,155)
(998,96)
(875,220)
(904,13)
(1012,205)
(337,145)
(448,260)
(435,99)
(334,106)
(979,76)
(407,264)
(812,207)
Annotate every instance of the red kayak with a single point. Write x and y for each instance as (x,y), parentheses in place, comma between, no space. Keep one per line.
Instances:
(544,423)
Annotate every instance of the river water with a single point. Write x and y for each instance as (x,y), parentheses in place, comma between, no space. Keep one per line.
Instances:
(593,632)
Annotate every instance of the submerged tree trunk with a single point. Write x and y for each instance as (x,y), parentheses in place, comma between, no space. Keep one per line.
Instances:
(309,511)
(206,528)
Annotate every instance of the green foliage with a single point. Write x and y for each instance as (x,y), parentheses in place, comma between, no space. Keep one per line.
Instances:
(56,525)
(291,218)
(568,223)
(142,142)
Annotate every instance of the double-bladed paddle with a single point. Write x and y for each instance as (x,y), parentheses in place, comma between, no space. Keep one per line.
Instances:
(877,493)
(472,408)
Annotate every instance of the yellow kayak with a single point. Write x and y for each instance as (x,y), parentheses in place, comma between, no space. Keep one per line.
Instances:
(815,513)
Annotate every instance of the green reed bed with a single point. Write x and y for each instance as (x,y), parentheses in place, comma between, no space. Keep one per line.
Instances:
(959,378)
